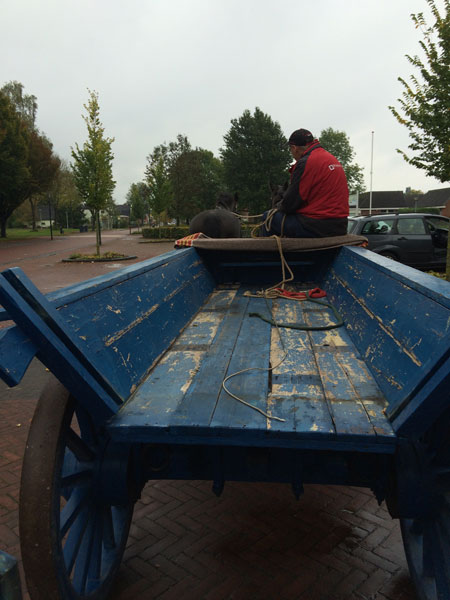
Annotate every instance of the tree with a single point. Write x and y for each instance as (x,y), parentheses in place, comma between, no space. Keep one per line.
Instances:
(338,143)
(160,191)
(14,171)
(92,166)
(42,163)
(161,161)
(25,104)
(43,168)
(197,179)
(254,155)
(69,208)
(424,104)
(138,200)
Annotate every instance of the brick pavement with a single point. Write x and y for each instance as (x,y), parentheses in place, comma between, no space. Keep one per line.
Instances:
(254,542)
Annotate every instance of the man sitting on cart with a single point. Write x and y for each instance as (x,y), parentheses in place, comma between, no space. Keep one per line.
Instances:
(315,204)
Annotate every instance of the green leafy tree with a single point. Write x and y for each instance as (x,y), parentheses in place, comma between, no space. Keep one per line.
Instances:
(162,160)
(138,200)
(92,165)
(160,189)
(255,154)
(25,104)
(14,172)
(424,104)
(68,204)
(197,179)
(338,143)
(43,168)
(43,164)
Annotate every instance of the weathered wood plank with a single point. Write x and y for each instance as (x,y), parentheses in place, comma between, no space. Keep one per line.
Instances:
(198,405)
(55,355)
(297,394)
(158,397)
(252,351)
(347,410)
(400,324)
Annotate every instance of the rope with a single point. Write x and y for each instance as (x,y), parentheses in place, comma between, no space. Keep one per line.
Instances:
(305,326)
(270,293)
(266,296)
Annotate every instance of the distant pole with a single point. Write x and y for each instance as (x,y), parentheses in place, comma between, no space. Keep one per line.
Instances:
(371,176)
(50,214)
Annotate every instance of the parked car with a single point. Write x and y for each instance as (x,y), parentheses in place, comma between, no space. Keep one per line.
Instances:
(415,239)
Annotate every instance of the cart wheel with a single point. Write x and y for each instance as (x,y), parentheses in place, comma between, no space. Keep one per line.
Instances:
(427,539)
(72,541)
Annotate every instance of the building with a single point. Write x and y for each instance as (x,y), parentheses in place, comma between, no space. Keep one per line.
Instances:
(395,201)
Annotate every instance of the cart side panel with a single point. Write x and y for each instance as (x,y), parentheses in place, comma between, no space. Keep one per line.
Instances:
(399,319)
(121,328)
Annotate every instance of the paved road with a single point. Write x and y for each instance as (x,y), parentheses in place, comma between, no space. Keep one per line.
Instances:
(254,542)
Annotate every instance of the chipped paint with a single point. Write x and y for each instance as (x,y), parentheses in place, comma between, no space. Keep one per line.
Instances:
(384,327)
(114,338)
(117,312)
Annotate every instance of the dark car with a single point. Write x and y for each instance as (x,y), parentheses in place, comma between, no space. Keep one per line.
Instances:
(418,240)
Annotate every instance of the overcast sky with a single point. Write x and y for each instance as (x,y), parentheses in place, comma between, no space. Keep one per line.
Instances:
(190,66)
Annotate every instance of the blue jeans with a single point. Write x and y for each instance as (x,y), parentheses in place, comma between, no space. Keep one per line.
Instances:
(291,227)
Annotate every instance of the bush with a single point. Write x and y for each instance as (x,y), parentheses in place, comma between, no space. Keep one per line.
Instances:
(165,233)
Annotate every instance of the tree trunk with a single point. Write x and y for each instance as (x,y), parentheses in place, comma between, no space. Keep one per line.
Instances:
(97,233)
(33,213)
(3,229)
(447,267)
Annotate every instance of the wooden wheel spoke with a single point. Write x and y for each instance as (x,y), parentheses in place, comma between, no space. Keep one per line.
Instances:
(79,478)
(439,549)
(109,539)
(87,427)
(79,447)
(95,563)
(82,564)
(76,503)
(75,537)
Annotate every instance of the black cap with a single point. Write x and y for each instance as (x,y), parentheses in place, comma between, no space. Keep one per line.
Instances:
(301,137)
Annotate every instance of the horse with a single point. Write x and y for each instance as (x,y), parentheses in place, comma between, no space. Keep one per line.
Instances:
(277,193)
(218,222)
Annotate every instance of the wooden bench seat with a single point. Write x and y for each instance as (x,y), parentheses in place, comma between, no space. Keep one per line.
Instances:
(322,389)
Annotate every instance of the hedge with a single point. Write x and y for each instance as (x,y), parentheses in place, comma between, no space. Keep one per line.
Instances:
(174,232)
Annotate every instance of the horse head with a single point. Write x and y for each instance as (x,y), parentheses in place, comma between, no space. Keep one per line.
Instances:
(227,202)
(277,193)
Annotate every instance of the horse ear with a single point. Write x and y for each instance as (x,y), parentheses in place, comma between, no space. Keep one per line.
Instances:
(272,186)
(286,185)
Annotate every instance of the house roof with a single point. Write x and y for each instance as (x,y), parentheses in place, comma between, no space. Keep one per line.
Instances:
(382,200)
(436,198)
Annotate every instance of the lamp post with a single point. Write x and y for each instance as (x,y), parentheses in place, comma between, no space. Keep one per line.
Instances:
(371,174)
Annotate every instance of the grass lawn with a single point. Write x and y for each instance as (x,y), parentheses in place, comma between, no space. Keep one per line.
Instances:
(25,234)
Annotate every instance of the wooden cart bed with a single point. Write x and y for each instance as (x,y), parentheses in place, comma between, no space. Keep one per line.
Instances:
(322,389)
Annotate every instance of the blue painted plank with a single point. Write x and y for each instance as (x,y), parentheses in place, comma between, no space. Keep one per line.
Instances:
(9,578)
(54,354)
(297,394)
(251,351)
(401,328)
(157,398)
(16,353)
(42,307)
(426,406)
(127,327)
(347,410)
(198,405)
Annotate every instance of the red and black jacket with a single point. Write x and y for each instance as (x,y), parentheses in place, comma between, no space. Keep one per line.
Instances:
(318,192)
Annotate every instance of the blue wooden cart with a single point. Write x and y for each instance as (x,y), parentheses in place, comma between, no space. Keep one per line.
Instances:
(139,359)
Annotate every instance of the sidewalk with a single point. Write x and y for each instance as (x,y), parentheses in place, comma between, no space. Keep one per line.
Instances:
(254,542)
